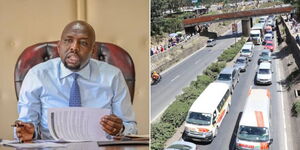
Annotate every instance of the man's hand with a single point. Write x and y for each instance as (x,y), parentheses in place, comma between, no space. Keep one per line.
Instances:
(24,131)
(111,124)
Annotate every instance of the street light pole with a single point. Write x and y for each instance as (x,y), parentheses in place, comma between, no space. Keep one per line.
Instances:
(235,24)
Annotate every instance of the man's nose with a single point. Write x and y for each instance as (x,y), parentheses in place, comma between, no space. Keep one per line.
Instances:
(74,46)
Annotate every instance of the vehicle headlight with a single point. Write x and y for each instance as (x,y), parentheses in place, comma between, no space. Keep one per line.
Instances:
(187,129)
(208,133)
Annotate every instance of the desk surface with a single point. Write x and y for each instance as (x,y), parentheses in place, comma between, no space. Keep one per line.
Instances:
(86,146)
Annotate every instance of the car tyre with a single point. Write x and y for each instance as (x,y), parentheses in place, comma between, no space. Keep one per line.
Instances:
(228,107)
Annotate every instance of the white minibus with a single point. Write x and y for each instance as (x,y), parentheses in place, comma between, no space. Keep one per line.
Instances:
(207,112)
(254,127)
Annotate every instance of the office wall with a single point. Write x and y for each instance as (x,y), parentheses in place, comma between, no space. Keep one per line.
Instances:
(26,22)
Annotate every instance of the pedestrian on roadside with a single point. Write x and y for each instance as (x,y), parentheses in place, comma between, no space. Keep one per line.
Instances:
(298,39)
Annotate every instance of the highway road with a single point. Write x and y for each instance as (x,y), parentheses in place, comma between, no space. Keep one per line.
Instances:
(226,137)
(183,73)
(180,76)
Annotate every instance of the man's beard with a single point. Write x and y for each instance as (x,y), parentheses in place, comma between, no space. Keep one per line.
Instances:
(77,67)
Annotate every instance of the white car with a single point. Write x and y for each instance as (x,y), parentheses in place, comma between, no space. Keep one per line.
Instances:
(181,145)
(211,42)
(250,43)
(264,73)
(246,51)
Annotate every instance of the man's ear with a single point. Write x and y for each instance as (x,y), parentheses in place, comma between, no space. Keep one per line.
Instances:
(94,48)
(58,44)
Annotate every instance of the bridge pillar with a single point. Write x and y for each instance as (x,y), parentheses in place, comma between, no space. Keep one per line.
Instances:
(246,27)
(190,30)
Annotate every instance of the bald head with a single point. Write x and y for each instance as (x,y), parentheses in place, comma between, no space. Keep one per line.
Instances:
(76,45)
(80,27)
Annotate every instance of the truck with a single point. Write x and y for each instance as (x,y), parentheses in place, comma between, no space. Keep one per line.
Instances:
(257,33)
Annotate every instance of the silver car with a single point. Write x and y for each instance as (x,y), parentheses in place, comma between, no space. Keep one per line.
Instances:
(241,64)
(230,76)
(181,145)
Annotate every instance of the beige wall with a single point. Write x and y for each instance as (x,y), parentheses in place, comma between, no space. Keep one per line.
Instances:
(26,22)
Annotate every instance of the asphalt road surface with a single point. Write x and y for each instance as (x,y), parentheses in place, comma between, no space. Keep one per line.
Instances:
(225,139)
(180,76)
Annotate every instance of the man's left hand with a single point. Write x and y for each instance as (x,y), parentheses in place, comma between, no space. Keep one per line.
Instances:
(111,124)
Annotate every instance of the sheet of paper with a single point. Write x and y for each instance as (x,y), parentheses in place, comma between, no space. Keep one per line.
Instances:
(138,135)
(32,145)
(75,124)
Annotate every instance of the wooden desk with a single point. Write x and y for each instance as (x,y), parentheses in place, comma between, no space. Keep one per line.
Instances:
(86,146)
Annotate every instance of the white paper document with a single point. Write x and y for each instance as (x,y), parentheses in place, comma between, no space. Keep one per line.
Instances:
(76,124)
(35,144)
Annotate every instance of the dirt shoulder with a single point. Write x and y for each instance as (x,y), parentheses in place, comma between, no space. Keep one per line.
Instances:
(166,59)
(290,60)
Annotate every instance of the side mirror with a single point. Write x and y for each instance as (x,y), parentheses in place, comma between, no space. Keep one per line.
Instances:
(271,141)
(214,122)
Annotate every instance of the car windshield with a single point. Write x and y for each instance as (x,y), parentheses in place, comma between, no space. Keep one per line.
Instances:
(264,54)
(254,35)
(179,147)
(209,41)
(240,61)
(199,118)
(268,38)
(264,71)
(256,134)
(269,44)
(224,77)
(265,57)
(245,51)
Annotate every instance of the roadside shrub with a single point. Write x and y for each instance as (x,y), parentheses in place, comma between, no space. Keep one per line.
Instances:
(202,82)
(176,113)
(214,69)
(160,132)
(296,109)
(229,54)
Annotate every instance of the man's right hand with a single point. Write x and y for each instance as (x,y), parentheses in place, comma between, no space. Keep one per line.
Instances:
(25,131)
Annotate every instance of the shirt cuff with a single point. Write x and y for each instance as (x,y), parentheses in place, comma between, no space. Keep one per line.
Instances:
(129,128)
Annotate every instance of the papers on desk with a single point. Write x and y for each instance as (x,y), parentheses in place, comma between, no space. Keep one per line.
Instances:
(77,124)
(126,140)
(35,144)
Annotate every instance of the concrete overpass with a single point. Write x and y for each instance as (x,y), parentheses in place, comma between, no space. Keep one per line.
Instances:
(246,17)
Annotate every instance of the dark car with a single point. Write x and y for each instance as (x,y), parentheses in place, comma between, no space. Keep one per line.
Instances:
(265,56)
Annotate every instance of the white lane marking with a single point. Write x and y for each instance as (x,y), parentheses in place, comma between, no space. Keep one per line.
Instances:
(175,78)
(174,65)
(282,105)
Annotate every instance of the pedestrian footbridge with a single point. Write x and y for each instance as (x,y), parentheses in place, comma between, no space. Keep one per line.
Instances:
(246,16)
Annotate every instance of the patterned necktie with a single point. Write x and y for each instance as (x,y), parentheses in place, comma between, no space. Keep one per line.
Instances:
(74,100)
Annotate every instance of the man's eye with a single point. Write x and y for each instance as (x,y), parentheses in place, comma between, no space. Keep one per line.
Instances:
(68,40)
(83,43)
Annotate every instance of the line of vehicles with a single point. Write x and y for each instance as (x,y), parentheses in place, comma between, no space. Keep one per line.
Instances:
(208,111)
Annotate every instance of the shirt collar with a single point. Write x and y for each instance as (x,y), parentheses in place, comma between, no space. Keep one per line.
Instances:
(84,72)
